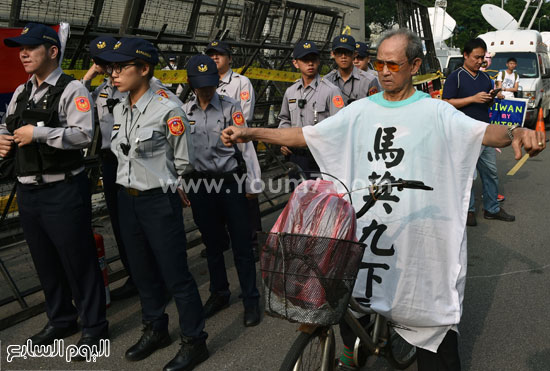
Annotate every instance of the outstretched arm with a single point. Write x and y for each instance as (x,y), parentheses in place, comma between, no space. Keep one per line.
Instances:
(533,141)
(290,137)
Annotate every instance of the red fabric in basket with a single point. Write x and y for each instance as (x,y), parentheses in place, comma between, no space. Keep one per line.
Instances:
(316,209)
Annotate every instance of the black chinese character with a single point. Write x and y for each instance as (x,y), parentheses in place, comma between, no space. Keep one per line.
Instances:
(370,277)
(384,150)
(378,229)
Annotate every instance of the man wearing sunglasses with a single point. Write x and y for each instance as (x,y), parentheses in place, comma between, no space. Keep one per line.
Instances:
(310,100)
(353,82)
(414,269)
(470,90)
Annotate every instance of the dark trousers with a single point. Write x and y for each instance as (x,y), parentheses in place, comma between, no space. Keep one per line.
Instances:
(109,166)
(153,232)
(57,224)
(446,358)
(255,220)
(207,206)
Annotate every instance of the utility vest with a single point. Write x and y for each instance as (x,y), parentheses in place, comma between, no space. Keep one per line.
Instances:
(40,158)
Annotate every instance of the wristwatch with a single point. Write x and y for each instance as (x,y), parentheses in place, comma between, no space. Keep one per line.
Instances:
(511,131)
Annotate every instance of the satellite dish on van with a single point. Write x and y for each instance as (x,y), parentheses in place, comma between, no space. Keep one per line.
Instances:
(498,17)
(442,24)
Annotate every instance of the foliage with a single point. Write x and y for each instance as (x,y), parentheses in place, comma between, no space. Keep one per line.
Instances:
(470,22)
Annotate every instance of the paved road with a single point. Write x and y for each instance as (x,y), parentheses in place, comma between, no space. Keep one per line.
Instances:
(505,325)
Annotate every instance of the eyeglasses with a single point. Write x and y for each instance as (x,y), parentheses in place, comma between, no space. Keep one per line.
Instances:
(119,67)
(359,58)
(341,51)
(392,66)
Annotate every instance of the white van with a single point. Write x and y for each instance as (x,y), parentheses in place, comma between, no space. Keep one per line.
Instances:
(531,53)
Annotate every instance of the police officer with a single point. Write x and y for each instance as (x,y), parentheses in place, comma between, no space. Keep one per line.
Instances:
(232,84)
(208,114)
(240,88)
(49,121)
(105,97)
(149,139)
(310,100)
(353,82)
(362,58)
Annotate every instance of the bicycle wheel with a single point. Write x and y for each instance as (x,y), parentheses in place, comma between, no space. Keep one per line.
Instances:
(311,352)
(399,353)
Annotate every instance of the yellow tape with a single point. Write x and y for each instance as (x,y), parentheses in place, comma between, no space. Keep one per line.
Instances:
(4,201)
(422,79)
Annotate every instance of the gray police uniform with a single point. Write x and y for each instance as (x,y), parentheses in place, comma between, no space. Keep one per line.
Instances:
(322,100)
(150,140)
(213,161)
(360,84)
(240,88)
(55,212)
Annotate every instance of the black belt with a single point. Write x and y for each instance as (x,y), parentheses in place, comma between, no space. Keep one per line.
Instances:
(148,192)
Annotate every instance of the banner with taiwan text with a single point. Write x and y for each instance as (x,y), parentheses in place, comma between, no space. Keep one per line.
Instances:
(508,112)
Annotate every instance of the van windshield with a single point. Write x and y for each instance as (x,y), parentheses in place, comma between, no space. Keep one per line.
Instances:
(454,63)
(527,63)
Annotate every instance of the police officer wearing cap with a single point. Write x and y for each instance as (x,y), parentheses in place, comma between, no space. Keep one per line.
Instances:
(362,58)
(240,88)
(310,100)
(150,141)
(105,97)
(48,122)
(209,113)
(353,82)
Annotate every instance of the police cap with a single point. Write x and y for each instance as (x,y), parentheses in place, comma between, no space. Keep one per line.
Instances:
(100,45)
(127,49)
(343,42)
(303,48)
(361,49)
(202,72)
(218,46)
(34,34)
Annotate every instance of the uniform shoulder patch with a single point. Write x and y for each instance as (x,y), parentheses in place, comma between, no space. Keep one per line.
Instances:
(245,95)
(338,101)
(176,126)
(373,90)
(162,93)
(238,118)
(82,103)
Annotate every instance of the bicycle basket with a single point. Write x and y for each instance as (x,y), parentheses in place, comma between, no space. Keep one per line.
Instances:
(309,279)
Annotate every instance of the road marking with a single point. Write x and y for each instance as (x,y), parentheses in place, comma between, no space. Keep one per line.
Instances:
(520,163)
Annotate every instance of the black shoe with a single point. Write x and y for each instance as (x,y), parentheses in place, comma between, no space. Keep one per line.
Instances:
(89,341)
(471,219)
(50,333)
(150,341)
(252,315)
(189,356)
(125,291)
(214,304)
(501,215)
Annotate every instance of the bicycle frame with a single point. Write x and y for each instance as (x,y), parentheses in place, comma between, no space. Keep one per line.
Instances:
(380,330)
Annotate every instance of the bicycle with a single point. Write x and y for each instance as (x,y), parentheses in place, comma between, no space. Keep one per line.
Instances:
(314,348)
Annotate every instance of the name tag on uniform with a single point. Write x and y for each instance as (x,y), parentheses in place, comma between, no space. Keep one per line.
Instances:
(292,101)
(116,126)
(103,95)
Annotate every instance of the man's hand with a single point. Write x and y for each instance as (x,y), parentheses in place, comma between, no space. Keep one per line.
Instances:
(23,135)
(482,97)
(532,141)
(286,151)
(93,72)
(6,143)
(234,134)
(184,200)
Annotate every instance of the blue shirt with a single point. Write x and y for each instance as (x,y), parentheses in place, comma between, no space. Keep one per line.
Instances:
(461,84)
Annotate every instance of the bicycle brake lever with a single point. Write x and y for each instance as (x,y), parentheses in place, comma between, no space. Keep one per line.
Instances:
(413,184)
